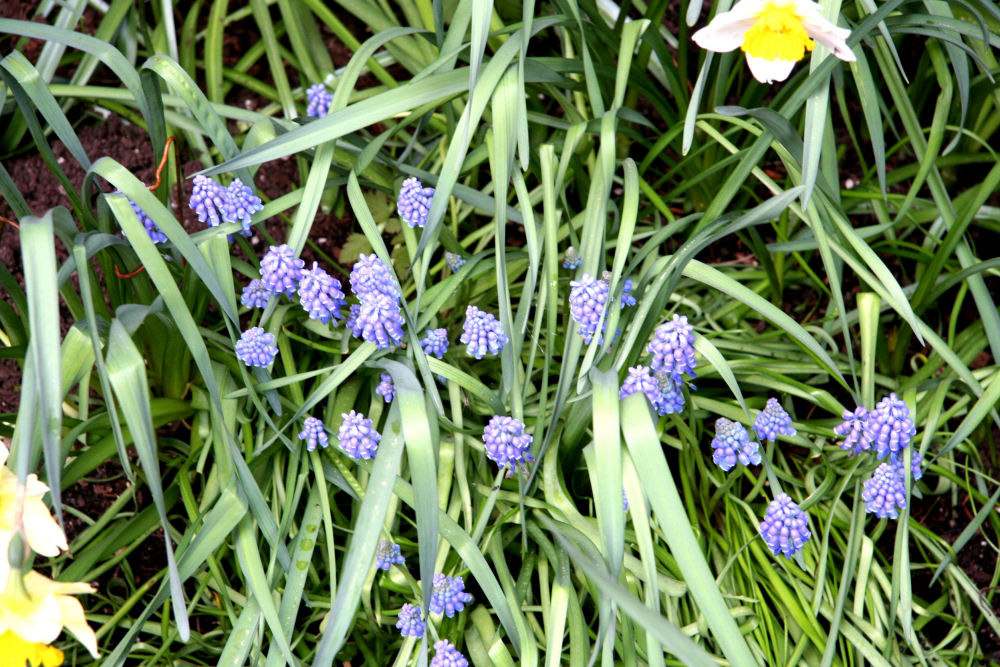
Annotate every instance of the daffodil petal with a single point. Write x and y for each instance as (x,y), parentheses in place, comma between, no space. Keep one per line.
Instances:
(823,31)
(769,71)
(44,534)
(76,623)
(725,32)
(35,620)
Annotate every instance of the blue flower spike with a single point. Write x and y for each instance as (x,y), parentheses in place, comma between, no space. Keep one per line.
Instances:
(454,261)
(482,333)
(358,437)
(588,298)
(409,622)
(890,427)
(448,595)
(256,347)
(155,235)
(281,270)
(388,554)
(242,204)
(571,258)
(854,431)
(672,348)
(256,294)
(884,492)
(506,442)
(314,433)
(378,320)
(320,294)
(773,421)
(785,527)
(627,298)
(318,101)
(414,202)
(386,389)
(209,200)
(435,342)
(446,655)
(371,276)
(732,445)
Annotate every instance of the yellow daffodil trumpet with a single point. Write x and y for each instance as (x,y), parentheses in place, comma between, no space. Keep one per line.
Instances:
(774,34)
(35,609)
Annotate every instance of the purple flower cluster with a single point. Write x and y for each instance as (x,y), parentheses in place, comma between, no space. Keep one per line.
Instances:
(506,442)
(435,342)
(672,348)
(215,204)
(256,347)
(454,261)
(320,294)
(482,333)
(588,298)
(885,492)
(281,270)
(732,444)
(386,389)
(571,258)
(256,294)
(358,437)
(318,101)
(388,554)
(448,595)
(414,202)
(409,622)
(662,392)
(155,235)
(314,433)
(785,528)
(773,421)
(378,318)
(446,655)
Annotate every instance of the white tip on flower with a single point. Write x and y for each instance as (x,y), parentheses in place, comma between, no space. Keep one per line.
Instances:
(774,34)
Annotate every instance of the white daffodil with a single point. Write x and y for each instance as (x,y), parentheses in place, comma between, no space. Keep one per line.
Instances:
(36,609)
(43,534)
(775,34)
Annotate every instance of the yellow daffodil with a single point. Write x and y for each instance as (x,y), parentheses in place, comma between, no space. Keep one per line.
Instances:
(36,609)
(43,534)
(775,34)
(16,652)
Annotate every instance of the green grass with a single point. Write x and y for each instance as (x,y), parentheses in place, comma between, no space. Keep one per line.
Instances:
(541,126)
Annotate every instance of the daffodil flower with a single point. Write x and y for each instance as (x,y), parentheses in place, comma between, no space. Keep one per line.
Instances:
(775,34)
(16,652)
(43,534)
(36,609)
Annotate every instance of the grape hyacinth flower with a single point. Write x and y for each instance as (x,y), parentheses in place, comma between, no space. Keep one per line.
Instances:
(371,276)
(890,427)
(448,595)
(571,258)
(209,200)
(587,300)
(414,202)
(243,203)
(671,398)
(319,101)
(378,320)
(446,655)
(256,347)
(435,342)
(854,430)
(314,433)
(256,294)
(785,528)
(482,333)
(663,393)
(386,389)
(387,554)
(672,348)
(506,442)
(358,437)
(627,298)
(320,294)
(409,622)
(281,270)
(916,465)
(773,421)
(155,235)
(732,444)
(454,261)
(885,491)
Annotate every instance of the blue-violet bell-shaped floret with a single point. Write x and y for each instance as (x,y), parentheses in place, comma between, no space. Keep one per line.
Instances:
(388,554)
(414,202)
(640,379)
(243,203)
(571,258)
(378,320)
(671,397)
(281,270)
(482,333)
(370,276)
(454,261)
(318,100)
(155,235)
(256,347)
(448,595)
(209,200)
(358,437)
(256,294)
(773,421)
(435,342)
(854,431)
(890,427)
(785,527)
(627,298)
(916,464)
(672,348)
(506,442)
(446,655)
(732,444)
(587,300)
(409,622)
(320,294)
(314,433)
(885,492)
(386,389)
